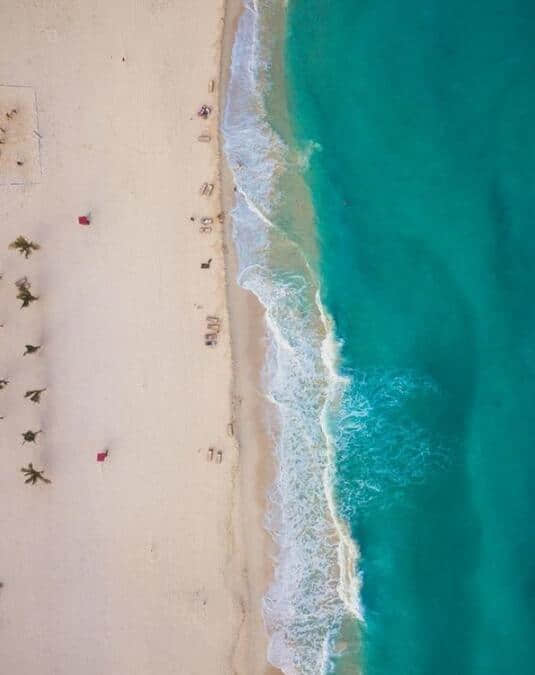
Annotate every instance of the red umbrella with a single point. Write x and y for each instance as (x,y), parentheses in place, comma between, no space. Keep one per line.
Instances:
(83,220)
(102,456)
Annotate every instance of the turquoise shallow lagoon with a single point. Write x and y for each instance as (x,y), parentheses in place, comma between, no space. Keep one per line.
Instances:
(423,190)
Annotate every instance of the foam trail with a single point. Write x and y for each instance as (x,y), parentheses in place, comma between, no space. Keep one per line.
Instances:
(315,584)
(349,584)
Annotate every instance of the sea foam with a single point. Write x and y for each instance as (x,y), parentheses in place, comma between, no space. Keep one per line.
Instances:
(315,584)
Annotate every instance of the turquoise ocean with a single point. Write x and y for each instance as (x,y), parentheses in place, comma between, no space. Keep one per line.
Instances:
(384,159)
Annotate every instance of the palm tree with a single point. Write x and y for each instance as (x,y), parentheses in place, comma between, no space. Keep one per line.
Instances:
(31,349)
(24,293)
(33,475)
(23,246)
(34,395)
(30,436)
(3,383)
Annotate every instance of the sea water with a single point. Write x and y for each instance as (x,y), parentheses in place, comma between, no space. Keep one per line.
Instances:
(384,157)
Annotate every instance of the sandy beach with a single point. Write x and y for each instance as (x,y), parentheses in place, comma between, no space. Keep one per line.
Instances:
(155,560)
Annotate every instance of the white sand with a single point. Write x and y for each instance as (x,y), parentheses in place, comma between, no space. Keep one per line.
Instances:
(134,566)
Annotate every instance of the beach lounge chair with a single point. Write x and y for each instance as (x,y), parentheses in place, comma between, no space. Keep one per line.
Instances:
(206,189)
(210,454)
(219,456)
(204,138)
(207,221)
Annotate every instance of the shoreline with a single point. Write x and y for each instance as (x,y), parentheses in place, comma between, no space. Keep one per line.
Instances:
(274,221)
(257,459)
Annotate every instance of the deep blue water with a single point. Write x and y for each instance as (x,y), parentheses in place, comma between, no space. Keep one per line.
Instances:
(425,206)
